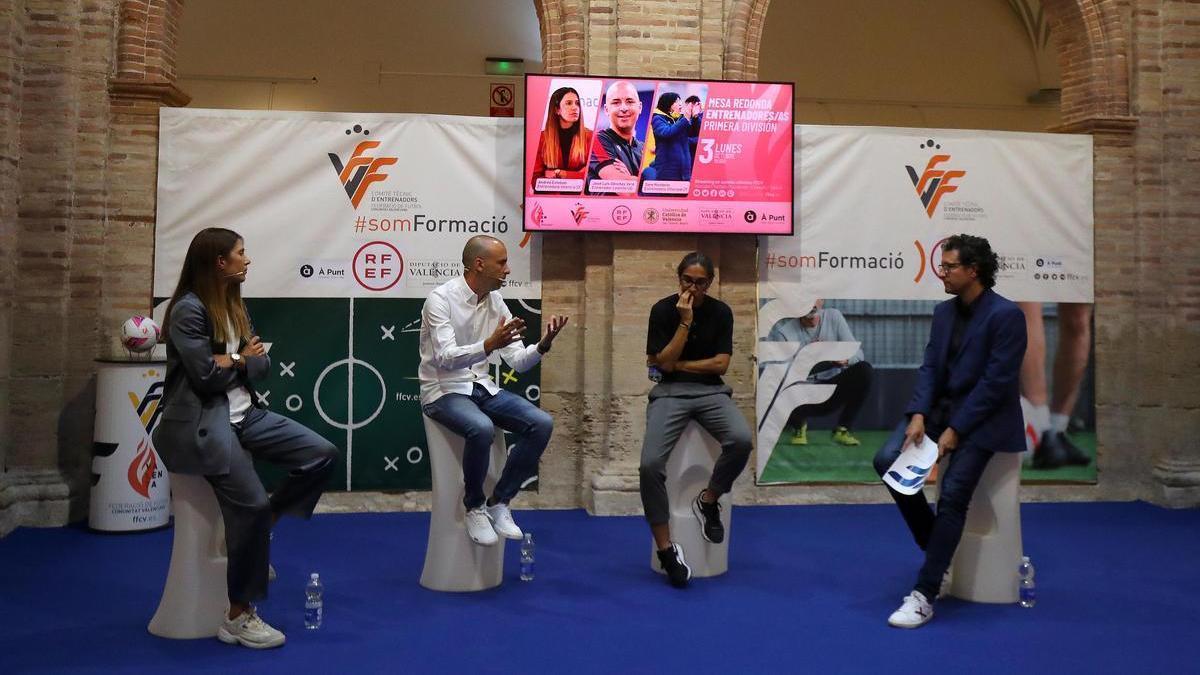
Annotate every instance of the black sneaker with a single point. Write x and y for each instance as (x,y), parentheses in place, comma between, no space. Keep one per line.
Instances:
(678,573)
(1049,453)
(709,516)
(1074,455)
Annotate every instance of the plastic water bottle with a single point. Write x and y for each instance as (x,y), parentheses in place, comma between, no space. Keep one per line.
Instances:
(314,606)
(527,557)
(1027,590)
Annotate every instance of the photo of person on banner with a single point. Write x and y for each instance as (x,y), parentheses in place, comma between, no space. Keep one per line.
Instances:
(852,376)
(697,122)
(564,144)
(617,153)
(1051,415)
(668,154)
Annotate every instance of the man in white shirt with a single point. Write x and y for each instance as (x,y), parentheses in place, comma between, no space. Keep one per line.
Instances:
(463,321)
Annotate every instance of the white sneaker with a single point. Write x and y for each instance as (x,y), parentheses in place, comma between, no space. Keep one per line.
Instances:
(250,631)
(913,613)
(502,522)
(479,526)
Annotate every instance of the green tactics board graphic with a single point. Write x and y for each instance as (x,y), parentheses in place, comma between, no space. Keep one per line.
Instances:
(347,369)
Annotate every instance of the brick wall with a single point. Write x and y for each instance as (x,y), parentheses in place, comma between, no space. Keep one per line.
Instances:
(81,82)
(81,85)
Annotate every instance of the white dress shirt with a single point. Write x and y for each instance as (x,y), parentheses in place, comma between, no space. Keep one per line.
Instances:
(454,324)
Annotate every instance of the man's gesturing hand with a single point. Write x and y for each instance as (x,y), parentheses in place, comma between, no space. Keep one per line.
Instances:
(553,327)
(504,335)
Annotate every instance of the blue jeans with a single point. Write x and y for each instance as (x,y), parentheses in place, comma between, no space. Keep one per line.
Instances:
(937,535)
(475,418)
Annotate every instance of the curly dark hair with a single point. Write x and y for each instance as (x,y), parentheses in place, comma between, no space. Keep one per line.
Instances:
(975,252)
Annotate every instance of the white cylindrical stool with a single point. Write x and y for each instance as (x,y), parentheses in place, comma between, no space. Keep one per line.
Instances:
(688,471)
(195,596)
(452,561)
(984,568)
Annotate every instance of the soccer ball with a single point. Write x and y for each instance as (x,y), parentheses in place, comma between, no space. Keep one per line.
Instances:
(140,334)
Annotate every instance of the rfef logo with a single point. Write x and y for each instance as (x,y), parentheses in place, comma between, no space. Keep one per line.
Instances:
(378,266)
(934,182)
(360,170)
(932,260)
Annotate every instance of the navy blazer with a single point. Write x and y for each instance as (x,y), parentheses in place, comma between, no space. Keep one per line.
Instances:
(982,382)
(672,154)
(194,435)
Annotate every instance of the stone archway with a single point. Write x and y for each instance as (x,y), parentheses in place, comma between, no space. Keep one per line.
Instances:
(1091,40)
(745,38)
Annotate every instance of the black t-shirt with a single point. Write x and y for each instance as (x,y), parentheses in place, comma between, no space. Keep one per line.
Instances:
(711,334)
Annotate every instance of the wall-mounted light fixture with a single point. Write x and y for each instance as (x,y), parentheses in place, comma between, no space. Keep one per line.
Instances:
(496,65)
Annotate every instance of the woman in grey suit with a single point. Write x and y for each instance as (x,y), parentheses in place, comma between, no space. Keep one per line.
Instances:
(212,424)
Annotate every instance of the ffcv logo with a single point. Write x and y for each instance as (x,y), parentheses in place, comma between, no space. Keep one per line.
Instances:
(360,170)
(934,182)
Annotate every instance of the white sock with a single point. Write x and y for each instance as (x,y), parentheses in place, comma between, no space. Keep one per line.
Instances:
(1059,422)
(1040,419)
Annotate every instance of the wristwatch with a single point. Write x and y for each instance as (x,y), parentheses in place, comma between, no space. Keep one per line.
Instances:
(236,358)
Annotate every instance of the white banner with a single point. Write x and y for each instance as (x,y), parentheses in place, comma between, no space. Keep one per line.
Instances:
(874,206)
(875,203)
(338,205)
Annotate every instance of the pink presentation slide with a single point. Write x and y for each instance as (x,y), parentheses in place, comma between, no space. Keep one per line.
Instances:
(637,155)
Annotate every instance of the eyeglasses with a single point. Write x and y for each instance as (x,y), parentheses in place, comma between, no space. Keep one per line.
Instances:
(698,283)
(946,268)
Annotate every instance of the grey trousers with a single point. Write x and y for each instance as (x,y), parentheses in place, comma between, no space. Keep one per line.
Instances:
(666,418)
(245,506)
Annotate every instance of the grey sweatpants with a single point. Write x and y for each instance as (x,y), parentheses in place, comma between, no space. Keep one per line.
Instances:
(666,418)
(247,510)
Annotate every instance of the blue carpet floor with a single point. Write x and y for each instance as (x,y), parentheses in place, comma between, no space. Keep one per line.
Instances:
(809,590)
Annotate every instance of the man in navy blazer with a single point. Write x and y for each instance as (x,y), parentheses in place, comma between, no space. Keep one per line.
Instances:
(968,398)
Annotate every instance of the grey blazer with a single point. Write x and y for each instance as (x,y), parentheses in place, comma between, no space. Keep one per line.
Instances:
(194,435)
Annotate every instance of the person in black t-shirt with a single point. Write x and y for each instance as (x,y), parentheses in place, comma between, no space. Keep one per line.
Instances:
(690,340)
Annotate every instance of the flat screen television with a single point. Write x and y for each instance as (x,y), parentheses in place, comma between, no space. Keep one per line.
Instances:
(657,155)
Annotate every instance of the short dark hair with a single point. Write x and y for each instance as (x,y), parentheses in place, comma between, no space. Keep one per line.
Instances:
(666,100)
(975,252)
(696,258)
(692,99)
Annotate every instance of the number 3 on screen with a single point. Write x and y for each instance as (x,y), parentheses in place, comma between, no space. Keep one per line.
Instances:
(706,154)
